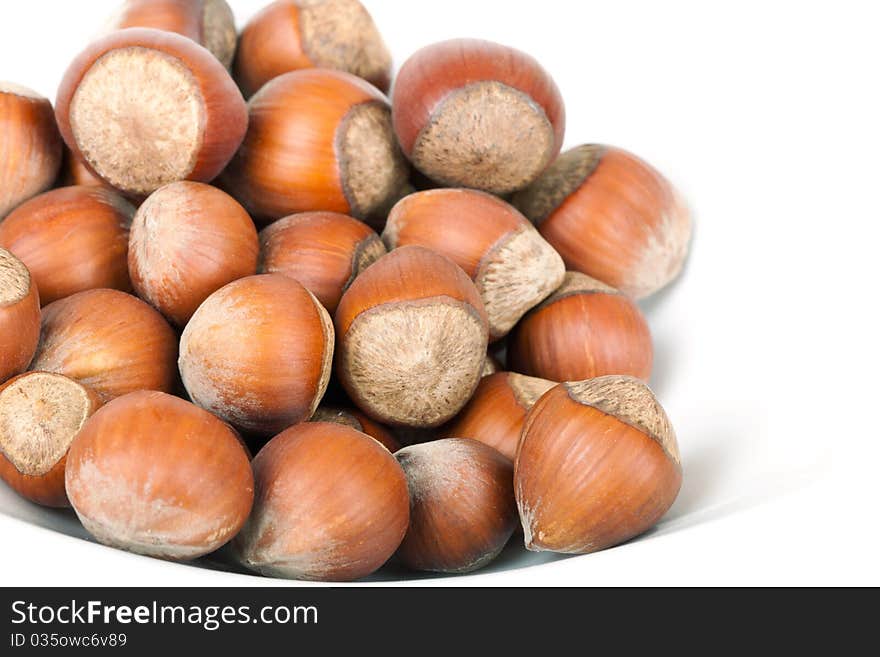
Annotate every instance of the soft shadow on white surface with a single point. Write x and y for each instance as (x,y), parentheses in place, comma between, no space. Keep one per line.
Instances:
(667,350)
(763,491)
(60,520)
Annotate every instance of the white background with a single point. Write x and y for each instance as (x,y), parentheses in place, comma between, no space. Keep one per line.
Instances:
(766,115)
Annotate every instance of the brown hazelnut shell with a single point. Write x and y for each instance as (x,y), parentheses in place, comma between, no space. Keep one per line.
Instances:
(257,353)
(325,251)
(40,415)
(598,464)
(512,266)
(72,239)
(109,341)
(153,474)
(319,140)
(496,412)
(187,241)
(289,35)
(30,146)
(472,113)
(611,216)
(331,505)
(584,330)
(74,172)
(412,337)
(223,116)
(19,316)
(462,508)
(209,23)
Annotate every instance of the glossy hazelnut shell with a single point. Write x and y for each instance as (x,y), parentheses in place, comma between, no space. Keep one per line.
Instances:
(489,239)
(434,73)
(587,331)
(331,505)
(74,172)
(72,239)
(407,281)
(406,274)
(30,146)
(187,241)
(611,216)
(292,158)
(46,489)
(595,468)
(376,430)
(187,18)
(19,321)
(462,509)
(258,353)
(153,474)
(109,341)
(462,224)
(496,412)
(279,39)
(325,251)
(225,111)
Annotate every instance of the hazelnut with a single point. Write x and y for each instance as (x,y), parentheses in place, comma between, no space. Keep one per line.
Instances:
(496,412)
(209,23)
(512,266)
(412,338)
(585,329)
(462,509)
(257,353)
(325,251)
(597,465)
(472,113)
(293,34)
(30,150)
(72,239)
(74,172)
(331,504)
(612,216)
(351,417)
(109,341)
(187,241)
(40,415)
(19,316)
(318,140)
(144,108)
(153,474)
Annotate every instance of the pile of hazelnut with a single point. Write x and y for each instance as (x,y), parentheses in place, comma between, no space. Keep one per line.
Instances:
(151,337)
